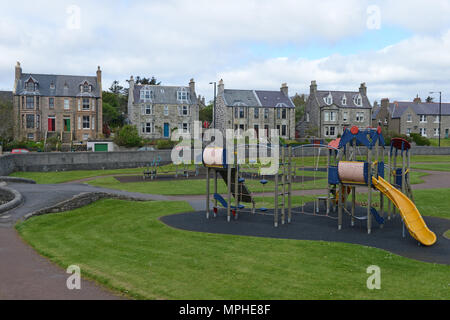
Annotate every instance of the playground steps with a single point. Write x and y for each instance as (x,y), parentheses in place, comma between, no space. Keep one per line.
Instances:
(244,193)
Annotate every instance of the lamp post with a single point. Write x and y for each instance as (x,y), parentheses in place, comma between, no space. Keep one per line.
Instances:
(440,113)
(214,108)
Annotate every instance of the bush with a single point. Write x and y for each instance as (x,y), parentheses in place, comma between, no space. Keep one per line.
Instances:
(419,140)
(391,134)
(128,136)
(165,144)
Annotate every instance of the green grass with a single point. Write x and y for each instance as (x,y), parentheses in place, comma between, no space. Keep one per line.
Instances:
(444,142)
(432,166)
(447,234)
(124,246)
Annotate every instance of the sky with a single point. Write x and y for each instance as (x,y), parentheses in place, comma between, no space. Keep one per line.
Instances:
(400,49)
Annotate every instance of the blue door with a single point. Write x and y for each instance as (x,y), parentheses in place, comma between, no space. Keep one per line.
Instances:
(166,130)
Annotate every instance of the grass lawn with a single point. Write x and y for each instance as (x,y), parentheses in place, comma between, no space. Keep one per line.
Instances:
(124,246)
(444,142)
(432,166)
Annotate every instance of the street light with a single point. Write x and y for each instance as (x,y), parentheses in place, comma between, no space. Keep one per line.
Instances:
(214,108)
(440,120)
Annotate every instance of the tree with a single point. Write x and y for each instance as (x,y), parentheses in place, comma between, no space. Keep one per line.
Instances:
(429,99)
(149,81)
(6,122)
(116,88)
(128,136)
(206,113)
(300,103)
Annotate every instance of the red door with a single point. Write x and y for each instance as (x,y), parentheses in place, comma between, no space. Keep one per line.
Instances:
(51,124)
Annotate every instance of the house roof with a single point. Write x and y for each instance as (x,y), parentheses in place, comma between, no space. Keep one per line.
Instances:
(163,94)
(338,98)
(58,85)
(257,98)
(397,109)
(375,111)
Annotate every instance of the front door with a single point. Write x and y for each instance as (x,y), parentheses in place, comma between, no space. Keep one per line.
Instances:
(66,124)
(51,124)
(166,130)
(446,133)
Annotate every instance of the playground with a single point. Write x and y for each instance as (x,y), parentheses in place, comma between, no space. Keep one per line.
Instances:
(230,231)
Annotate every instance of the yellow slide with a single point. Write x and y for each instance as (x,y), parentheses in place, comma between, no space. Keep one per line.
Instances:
(411,216)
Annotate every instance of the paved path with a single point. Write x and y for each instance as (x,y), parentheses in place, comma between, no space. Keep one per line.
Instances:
(24,274)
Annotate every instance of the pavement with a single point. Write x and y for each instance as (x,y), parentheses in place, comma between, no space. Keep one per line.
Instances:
(24,274)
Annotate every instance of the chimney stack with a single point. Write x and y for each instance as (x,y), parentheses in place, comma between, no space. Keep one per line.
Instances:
(417,99)
(221,87)
(192,87)
(284,88)
(363,89)
(313,88)
(18,74)
(99,78)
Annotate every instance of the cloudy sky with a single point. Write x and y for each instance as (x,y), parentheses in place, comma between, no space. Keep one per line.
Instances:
(399,48)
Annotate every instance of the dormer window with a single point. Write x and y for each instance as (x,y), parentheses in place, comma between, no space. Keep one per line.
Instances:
(30,86)
(146,94)
(344,101)
(183,95)
(358,100)
(329,99)
(52,86)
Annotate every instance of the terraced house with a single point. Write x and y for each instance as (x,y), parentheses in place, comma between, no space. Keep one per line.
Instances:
(406,117)
(329,112)
(157,110)
(45,105)
(255,109)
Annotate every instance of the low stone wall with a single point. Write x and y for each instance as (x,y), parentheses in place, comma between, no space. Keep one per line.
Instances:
(16,180)
(9,199)
(79,201)
(66,161)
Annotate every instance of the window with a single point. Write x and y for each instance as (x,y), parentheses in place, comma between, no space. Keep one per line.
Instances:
(148,109)
(423,118)
(332,116)
(185,127)
(329,99)
(283,130)
(38,121)
(86,104)
(256,127)
(423,132)
(409,118)
(30,136)
(185,111)
(386,121)
(326,116)
(51,103)
(147,127)
(256,113)
(30,102)
(278,113)
(358,100)
(30,86)
(266,113)
(436,132)
(345,116)
(236,112)
(30,121)
(284,113)
(241,112)
(166,110)
(436,119)
(360,117)
(307,117)
(408,131)
(266,129)
(344,101)
(86,122)
(146,94)
(66,104)
(86,87)
(278,129)
(85,136)
(329,131)
(183,95)
(37,103)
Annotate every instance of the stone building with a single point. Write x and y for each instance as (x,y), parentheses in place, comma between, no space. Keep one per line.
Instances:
(57,105)
(255,109)
(328,112)
(406,117)
(157,110)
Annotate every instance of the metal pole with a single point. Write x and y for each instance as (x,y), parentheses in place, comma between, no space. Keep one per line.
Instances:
(215,189)
(290,186)
(440,120)
(229,192)
(283,182)
(275,213)
(369,191)
(207,192)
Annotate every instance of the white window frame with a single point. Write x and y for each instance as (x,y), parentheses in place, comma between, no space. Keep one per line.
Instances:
(423,118)
(345,116)
(86,121)
(148,109)
(423,132)
(332,116)
(66,104)
(166,110)
(409,117)
(185,111)
(436,132)
(436,119)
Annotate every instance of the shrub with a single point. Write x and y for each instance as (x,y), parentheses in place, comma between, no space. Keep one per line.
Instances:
(419,140)
(165,144)
(128,136)
(388,135)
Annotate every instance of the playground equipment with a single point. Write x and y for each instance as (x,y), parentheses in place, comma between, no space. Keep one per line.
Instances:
(348,172)
(347,169)
(153,169)
(215,160)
